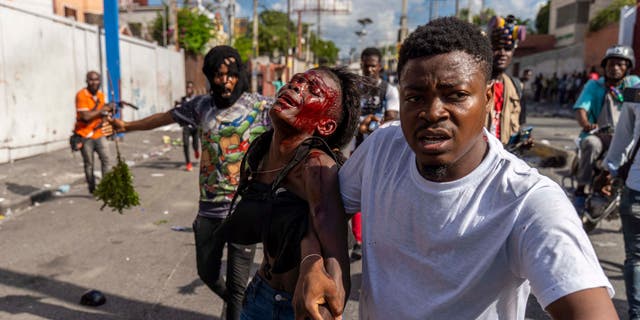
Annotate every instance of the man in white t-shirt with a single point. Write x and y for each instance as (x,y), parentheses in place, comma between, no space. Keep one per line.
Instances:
(454,226)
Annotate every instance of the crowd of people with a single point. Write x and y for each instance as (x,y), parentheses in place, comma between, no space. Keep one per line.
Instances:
(448,223)
(562,89)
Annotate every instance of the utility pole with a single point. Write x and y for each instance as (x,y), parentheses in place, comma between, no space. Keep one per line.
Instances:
(173,16)
(254,44)
(113,51)
(287,52)
(403,32)
(232,20)
(457,8)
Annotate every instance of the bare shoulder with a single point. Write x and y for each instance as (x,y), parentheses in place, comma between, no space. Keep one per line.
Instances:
(319,166)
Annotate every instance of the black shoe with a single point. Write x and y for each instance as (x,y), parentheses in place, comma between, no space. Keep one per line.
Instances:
(356,252)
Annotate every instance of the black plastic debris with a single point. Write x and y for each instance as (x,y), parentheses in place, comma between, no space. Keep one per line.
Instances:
(93,298)
(182,229)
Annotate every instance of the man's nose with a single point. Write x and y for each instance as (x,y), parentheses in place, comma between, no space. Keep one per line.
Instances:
(434,111)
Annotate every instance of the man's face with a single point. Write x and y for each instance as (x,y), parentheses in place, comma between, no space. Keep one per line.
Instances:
(189,89)
(307,101)
(224,81)
(501,58)
(444,100)
(93,82)
(527,75)
(616,68)
(371,66)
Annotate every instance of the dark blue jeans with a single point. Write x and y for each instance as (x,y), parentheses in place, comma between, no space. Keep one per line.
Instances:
(263,302)
(630,217)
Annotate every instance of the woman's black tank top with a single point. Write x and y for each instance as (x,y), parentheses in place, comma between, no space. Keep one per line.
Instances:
(269,213)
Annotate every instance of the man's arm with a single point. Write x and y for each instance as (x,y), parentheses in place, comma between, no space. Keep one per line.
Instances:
(583,120)
(148,123)
(89,115)
(588,304)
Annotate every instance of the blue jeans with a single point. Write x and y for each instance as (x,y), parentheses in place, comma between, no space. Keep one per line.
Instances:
(630,217)
(263,302)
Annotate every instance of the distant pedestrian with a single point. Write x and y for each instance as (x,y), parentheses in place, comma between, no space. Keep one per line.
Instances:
(189,132)
(90,110)
(504,119)
(593,73)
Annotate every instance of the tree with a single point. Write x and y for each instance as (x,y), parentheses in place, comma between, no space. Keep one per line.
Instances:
(609,14)
(194,30)
(542,19)
(273,28)
(483,18)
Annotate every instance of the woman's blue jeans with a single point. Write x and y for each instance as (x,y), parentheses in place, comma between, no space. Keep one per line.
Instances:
(263,302)
(630,217)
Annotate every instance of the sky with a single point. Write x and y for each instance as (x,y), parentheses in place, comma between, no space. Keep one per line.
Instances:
(385,15)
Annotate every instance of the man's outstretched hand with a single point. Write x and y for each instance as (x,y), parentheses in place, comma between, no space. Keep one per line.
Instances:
(316,295)
(117,124)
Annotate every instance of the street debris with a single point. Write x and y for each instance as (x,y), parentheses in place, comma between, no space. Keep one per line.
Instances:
(157,175)
(182,229)
(159,222)
(64,188)
(93,298)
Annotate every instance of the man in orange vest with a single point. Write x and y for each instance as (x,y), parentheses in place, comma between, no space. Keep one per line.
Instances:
(90,109)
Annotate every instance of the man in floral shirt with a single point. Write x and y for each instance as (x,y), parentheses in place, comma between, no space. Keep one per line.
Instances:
(228,119)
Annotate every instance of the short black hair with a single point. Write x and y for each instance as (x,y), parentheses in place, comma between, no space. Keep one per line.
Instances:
(444,35)
(351,91)
(368,52)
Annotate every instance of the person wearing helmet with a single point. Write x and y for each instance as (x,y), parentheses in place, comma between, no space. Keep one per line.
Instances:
(597,108)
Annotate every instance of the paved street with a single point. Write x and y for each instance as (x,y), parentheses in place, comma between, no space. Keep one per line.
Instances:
(56,250)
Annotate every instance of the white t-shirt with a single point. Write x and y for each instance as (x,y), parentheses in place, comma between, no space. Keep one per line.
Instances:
(462,249)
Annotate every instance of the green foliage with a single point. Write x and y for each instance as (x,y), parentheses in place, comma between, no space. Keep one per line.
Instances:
(609,15)
(272,33)
(194,30)
(483,18)
(244,47)
(273,28)
(116,188)
(324,50)
(542,19)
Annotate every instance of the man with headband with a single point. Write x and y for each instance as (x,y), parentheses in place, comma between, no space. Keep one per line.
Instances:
(504,118)
(228,119)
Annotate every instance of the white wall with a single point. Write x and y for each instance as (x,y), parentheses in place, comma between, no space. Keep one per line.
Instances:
(562,60)
(44,65)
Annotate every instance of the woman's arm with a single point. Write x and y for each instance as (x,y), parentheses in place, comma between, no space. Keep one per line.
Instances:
(329,224)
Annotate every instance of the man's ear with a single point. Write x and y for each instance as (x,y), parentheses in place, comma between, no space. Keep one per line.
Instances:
(489,96)
(326,127)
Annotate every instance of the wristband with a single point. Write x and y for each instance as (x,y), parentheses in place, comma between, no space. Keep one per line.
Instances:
(309,256)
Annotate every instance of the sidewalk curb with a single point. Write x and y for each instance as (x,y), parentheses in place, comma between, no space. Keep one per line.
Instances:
(38,196)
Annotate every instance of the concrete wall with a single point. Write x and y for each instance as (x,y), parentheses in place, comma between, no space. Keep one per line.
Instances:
(596,44)
(562,60)
(39,78)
